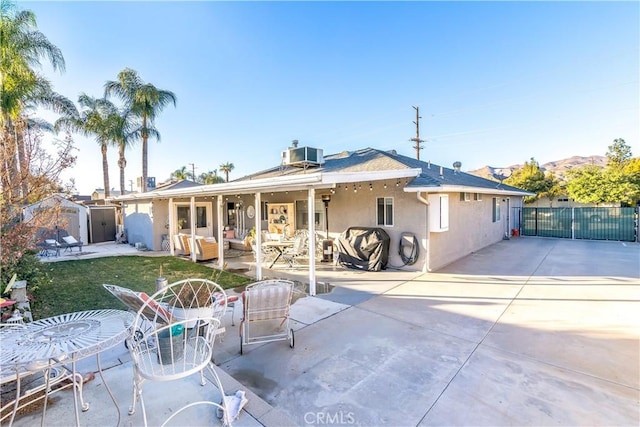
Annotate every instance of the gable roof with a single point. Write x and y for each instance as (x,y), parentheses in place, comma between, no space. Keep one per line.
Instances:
(367,164)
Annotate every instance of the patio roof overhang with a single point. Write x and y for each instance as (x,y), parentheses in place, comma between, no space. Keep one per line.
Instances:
(317,180)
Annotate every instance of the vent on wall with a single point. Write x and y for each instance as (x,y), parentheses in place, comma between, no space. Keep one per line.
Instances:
(302,157)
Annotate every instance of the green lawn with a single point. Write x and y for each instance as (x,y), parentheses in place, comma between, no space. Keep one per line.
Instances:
(77,285)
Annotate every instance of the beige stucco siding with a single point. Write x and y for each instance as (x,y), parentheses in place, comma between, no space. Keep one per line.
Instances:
(471,228)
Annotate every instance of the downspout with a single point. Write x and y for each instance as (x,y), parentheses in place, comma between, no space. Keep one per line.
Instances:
(424,200)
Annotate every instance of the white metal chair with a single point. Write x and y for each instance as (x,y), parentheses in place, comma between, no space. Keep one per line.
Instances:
(266,306)
(185,317)
(298,250)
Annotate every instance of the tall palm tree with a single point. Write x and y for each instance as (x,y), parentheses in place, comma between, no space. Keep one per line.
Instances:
(145,101)
(95,119)
(226,168)
(21,48)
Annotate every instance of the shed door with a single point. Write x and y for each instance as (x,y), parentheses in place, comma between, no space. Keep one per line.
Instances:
(103,225)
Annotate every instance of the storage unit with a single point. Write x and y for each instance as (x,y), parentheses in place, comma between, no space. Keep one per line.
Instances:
(281,216)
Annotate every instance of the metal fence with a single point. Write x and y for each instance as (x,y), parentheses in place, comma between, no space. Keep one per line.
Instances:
(619,224)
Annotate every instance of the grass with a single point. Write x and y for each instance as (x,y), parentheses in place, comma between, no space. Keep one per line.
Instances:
(77,285)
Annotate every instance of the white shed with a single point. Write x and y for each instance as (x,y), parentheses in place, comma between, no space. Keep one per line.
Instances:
(73,217)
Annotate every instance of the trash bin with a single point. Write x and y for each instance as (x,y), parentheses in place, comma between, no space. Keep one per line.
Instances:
(327,250)
(170,345)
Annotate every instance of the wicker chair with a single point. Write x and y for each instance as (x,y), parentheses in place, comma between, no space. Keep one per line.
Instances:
(205,249)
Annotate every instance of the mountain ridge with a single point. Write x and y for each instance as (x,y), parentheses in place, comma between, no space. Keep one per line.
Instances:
(557,167)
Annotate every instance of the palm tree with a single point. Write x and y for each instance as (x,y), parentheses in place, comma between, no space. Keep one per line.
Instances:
(21,48)
(211,177)
(145,101)
(96,118)
(226,168)
(181,173)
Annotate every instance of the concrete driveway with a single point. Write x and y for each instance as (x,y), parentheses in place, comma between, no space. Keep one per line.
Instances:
(528,331)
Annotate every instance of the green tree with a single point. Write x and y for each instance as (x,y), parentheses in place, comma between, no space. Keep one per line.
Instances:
(532,178)
(618,154)
(226,168)
(181,173)
(96,118)
(145,101)
(211,177)
(21,88)
(591,184)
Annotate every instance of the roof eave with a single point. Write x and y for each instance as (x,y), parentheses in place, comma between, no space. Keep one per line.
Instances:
(466,189)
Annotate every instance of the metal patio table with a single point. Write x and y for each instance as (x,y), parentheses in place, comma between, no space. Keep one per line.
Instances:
(50,345)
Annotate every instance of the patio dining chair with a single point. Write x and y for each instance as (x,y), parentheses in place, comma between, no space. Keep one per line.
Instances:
(265,313)
(180,343)
(298,250)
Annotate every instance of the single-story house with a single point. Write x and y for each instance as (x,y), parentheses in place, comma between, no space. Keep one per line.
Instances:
(71,216)
(446,213)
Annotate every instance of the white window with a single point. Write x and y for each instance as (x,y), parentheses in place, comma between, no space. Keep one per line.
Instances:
(385,211)
(496,209)
(478,197)
(465,197)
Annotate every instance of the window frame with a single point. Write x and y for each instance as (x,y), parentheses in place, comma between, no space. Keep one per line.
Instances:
(387,203)
(495,207)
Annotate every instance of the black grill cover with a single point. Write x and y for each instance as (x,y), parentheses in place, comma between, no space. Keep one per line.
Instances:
(364,248)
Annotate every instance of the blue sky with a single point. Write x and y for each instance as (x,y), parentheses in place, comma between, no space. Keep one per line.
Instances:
(497,83)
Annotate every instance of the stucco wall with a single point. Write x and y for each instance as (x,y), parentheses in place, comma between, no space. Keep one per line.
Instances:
(138,221)
(471,228)
(348,208)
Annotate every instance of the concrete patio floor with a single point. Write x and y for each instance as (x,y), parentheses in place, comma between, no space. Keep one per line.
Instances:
(528,331)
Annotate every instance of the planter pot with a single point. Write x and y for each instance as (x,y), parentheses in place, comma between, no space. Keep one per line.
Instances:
(191,313)
(170,345)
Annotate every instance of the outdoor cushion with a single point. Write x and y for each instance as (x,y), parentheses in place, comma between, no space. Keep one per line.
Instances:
(70,240)
(52,242)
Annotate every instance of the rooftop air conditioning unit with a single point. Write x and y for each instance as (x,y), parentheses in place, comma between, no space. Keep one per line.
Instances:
(302,156)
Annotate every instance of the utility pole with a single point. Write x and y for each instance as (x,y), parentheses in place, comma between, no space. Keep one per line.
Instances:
(193,171)
(417,139)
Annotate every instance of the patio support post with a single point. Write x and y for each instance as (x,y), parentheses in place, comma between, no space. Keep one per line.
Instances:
(220,229)
(172,249)
(193,228)
(258,238)
(312,241)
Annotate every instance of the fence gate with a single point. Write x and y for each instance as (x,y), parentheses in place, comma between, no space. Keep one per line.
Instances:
(620,224)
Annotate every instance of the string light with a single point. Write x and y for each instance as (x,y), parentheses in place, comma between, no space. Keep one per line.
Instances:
(385,185)
(355,190)
(370,187)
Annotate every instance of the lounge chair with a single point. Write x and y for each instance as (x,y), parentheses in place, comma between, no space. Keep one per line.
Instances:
(70,242)
(181,245)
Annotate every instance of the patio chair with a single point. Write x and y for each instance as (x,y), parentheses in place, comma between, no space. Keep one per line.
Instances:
(266,306)
(298,250)
(206,248)
(267,254)
(181,347)
(180,244)
(68,242)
